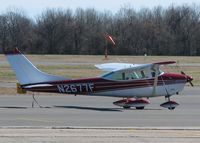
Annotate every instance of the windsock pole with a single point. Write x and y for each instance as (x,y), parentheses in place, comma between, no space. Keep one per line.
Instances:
(109,39)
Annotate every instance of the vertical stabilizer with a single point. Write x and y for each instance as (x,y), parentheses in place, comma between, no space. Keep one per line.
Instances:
(26,72)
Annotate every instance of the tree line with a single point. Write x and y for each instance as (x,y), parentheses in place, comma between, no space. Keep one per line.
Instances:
(159,31)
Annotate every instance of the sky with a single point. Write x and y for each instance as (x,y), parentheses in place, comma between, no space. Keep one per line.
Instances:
(34,8)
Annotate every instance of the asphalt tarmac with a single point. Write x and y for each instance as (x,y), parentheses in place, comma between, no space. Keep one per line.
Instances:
(85,119)
(130,135)
(87,111)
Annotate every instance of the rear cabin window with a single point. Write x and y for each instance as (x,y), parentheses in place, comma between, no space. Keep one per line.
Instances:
(129,75)
(142,74)
(118,76)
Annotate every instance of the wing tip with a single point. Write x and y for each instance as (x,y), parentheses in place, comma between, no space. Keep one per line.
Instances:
(165,63)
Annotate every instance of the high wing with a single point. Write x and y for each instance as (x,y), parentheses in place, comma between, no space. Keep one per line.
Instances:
(145,66)
(127,71)
(122,66)
(115,66)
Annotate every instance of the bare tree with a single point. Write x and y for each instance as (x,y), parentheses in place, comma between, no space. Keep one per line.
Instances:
(51,29)
(158,31)
(15,29)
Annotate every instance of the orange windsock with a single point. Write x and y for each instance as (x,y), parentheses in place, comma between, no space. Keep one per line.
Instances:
(110,39)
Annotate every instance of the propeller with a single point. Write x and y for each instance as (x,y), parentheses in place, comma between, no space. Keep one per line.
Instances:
(183,73)
(189,79)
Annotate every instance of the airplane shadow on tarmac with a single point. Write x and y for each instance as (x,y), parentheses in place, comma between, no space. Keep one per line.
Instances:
(90,108)
(81,108)
(13,107)
(101,109)
(145,109)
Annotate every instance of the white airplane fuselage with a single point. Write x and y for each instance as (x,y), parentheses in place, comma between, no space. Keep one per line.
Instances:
(168,84)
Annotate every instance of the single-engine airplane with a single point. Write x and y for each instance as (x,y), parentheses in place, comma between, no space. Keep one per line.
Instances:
(134,83)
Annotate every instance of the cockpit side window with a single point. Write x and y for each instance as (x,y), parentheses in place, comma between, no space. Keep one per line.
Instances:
(134,75)
(142,74)
(131,74)
(123,76)
(153,72)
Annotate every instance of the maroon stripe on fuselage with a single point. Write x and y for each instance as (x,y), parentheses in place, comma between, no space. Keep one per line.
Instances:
(101,84)
(128,85)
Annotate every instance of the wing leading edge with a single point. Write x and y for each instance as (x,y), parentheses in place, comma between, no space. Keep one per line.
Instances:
(111,67)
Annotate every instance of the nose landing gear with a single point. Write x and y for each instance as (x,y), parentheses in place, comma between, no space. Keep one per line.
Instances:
(170,104)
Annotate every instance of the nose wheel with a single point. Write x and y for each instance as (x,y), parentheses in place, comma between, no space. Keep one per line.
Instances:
(170,104)
(171,108)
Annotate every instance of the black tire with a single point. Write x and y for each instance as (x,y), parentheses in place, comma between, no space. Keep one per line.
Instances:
(139,108)
(126,107)
(171,108)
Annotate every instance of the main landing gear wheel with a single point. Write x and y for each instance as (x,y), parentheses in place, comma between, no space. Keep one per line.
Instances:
(126,107)
(128,103)
(139,108)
